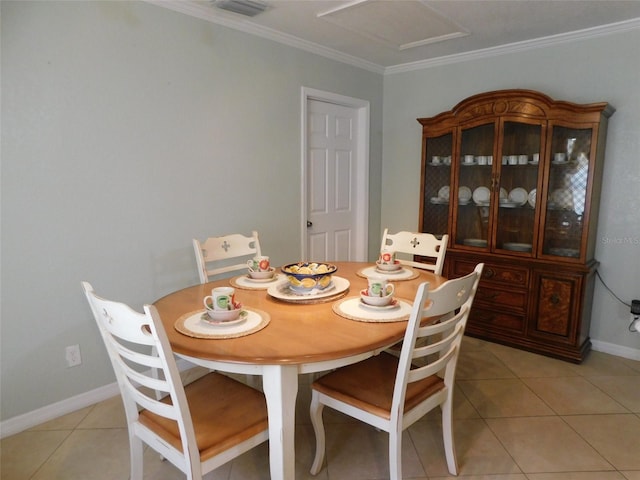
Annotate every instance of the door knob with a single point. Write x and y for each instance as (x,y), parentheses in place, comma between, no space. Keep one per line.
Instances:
(309,224)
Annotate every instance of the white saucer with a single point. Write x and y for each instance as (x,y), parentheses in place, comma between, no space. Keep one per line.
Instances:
(517,247)
(464,194)
(242,316)
(261,280)
(481,195)
(394,304)
(469,164)
(518,195)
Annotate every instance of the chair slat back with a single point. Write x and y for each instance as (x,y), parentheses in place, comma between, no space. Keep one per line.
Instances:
(440,341)
(421,244)
(214,256)
(143,362)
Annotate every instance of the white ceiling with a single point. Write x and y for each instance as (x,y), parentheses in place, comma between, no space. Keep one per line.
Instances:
(396,35)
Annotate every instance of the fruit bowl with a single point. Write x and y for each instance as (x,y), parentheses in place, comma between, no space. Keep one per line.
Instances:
(306,276)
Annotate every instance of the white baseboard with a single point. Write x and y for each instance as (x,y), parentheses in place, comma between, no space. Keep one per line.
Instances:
(617,350)
(36,417)
(50,412)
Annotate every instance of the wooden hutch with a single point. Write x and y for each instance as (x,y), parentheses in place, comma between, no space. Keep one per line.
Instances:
(514,178)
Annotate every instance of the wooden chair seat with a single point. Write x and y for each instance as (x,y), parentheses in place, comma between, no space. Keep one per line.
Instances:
(243,410)
(369,385)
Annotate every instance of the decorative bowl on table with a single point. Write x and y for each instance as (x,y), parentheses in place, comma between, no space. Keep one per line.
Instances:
(389,267)
(305,277)
(262,275)
(224,316)
(374,300)
(221,316)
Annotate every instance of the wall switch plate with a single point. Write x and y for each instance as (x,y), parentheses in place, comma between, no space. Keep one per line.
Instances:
(72,354)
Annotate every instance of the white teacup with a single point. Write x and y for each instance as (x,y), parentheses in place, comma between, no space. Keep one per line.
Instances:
(380,287)
(512,159)
(387,257)
(258,264)
(221,298)
(523,159)
(468,159)
(482,159)
(435,160)
(535,158)
(560,157)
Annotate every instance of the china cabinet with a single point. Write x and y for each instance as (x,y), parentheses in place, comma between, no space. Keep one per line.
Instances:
(513,177)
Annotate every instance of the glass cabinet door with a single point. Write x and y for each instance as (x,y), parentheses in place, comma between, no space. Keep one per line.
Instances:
(518,181)
(474,164)
(437,184)
(567,192)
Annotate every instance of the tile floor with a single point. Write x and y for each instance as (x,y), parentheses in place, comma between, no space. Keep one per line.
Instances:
(517,416)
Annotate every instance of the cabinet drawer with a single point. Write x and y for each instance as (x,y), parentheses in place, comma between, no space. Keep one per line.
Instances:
(508,275)
(501,298)
(482,319)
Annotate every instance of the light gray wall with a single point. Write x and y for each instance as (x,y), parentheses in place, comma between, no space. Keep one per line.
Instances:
(604,69)
(128,129)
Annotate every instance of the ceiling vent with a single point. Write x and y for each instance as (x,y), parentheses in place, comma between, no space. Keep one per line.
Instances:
(249,8)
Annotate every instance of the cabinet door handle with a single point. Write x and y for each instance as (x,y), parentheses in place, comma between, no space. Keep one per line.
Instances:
(555,299)
(488,273)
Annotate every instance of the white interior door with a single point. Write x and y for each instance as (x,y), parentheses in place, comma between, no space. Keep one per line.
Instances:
(336,180)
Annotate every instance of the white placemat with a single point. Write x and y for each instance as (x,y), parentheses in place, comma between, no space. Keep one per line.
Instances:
(281,291)
(405,273)
(353,309)
(192,325)
(247,283)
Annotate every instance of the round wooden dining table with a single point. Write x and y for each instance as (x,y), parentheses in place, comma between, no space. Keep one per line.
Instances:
(301,337)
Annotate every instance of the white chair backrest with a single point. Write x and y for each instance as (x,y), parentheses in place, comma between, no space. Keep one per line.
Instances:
(214,256)
(144,365)
(440,342)
(421,244)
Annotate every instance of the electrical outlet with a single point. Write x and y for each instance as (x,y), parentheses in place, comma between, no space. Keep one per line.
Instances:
(72,354)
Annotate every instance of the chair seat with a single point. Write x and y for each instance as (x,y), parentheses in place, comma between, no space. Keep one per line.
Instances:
(212,398)
(368,385)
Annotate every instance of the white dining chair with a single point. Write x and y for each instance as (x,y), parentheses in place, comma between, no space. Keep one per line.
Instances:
(217,255)
(391,393)
(197,427)
(421,244)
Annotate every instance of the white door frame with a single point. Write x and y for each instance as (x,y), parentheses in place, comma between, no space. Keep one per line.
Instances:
(362,167)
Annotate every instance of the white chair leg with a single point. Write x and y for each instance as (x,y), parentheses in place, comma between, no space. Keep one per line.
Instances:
(315,412)
(136,449)
(395,455)
(447,436)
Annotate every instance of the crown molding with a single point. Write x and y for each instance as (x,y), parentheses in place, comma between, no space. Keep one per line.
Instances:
(203,11)
(518,47)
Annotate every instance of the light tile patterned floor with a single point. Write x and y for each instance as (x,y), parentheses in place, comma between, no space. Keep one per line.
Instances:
(518,416)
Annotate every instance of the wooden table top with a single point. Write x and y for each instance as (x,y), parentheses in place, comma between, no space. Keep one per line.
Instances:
(297,333)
